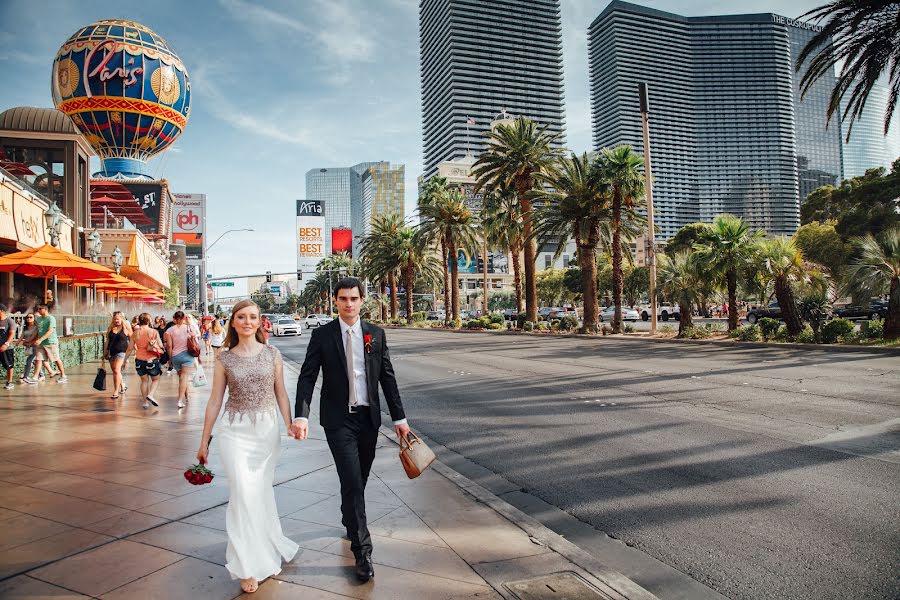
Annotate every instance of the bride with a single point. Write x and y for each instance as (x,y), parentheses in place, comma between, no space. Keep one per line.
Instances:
(249,439)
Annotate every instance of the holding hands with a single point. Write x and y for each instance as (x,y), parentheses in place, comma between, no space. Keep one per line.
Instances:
(299,429)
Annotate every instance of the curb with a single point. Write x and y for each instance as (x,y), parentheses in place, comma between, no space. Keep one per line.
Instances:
(613,583)
(724,343)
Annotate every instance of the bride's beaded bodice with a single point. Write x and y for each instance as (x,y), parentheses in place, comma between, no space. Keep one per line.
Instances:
(251,383)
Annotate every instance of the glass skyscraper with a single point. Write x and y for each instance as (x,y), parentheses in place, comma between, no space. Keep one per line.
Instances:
(335,187)
(381,192)
(479,58)
(868,147)
(728,130)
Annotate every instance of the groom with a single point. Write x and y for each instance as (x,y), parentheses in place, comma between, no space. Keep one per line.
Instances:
(354,359)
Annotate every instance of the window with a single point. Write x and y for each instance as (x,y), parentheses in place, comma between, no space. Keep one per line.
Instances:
(547,261)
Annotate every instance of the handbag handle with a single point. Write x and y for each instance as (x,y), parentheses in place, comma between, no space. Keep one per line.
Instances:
(409,442)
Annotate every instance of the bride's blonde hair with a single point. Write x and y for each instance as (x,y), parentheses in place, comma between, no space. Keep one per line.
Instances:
(231,338)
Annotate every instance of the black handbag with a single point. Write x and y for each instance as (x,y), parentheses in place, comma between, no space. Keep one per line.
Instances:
(100,380)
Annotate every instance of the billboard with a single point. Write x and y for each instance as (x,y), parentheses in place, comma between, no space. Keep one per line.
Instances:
(342,241)
(149,198)
(310,234)
(189,222)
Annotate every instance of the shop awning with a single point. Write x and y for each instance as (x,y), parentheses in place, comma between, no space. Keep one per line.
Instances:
(49,261)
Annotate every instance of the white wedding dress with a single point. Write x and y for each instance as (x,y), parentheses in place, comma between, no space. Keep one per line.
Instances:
(249,442)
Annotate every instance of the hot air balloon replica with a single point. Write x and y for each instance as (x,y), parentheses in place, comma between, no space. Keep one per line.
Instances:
(126,90)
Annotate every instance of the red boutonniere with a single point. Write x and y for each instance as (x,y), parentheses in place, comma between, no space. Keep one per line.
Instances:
(367,340)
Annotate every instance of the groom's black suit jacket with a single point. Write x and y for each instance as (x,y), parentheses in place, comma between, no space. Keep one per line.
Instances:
(326,351)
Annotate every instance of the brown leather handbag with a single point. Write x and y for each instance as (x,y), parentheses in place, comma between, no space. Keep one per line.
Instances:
(415,455)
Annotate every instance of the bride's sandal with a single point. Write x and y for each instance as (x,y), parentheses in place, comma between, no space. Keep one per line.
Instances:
(249,585)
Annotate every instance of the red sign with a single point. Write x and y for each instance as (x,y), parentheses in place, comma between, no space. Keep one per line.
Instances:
(341,241)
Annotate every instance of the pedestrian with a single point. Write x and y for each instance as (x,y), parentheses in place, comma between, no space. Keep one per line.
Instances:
(266,326)
(176,339)
(250,443)
(216,336)
(169,325)
(48,342)
(354,359)
(147,347)
(161,330)
(7,354)
(118,339)
(27,337)
(204,332)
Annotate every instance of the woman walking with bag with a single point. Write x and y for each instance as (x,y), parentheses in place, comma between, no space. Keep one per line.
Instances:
(250,442)
(28,336)
(118,337)
(148,349)
(182,346)
(216,337)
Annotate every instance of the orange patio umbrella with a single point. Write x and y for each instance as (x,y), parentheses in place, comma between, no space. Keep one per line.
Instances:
(49,261)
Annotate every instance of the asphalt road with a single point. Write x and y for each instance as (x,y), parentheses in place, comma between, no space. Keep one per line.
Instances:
(760,473)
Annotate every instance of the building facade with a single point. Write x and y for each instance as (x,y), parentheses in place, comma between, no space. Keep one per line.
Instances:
(482,58)
(381,191)
(335,187)
(729,131)
(868,146)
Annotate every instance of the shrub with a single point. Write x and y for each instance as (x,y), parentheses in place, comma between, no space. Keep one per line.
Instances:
(873,330)
(605,329)
(527,326)
(495,326)
(474,324)
(485,321)
(568,323)
(554,326)
(696,333)
(768,327)
(495,318)
(422,324)
(747,333)
(782,334)
(807,336)
(835,329)
(456,323)
(628,328)
(543,326)
(418,316)
(854,337)
(815,310)
(667,329)
(520,320)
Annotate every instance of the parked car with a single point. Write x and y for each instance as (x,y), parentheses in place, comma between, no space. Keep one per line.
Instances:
(510,314)
(664,312)
(877,309)
(285,326)
(559,314)
(628,314)
(317,320)
(773,311)
(436,315)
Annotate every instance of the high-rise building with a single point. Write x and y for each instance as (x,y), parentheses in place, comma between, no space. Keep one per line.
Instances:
(728,129)
(381,191)
(868,146)
(335,188)
(479,59)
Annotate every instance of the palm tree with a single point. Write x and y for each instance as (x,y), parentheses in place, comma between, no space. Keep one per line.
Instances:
(681,277)
(412,252)
(864,37)
(876,271)
(622,170)
(784,263)
(435,192)
(377,256)
(517,155)
(576,208)
(727,247)
(501,218)
(448,219)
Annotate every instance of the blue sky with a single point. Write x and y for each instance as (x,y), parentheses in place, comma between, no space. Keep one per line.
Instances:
(285,86)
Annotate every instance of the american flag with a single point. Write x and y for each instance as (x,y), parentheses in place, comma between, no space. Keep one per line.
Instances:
(469,120)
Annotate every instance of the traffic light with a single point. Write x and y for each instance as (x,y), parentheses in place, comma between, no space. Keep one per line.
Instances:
(268,276)
(479,265)
(299,275)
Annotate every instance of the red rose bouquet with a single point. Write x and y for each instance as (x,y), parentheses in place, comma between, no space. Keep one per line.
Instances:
(198,474)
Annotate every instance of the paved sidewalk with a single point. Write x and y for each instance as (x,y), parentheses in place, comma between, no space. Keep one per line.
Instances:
(93,503)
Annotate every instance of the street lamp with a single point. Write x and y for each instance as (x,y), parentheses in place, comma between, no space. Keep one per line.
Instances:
(53,218)
(644,99)
(203,310)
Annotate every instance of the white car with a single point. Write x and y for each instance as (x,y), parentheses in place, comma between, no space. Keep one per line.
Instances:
(285,326)
(317,320)
(628,314)
(664,312)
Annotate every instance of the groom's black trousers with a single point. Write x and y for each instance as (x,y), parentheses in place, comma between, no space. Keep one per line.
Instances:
(353,448)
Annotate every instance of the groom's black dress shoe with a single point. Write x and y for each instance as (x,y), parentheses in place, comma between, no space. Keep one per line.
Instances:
(364,569)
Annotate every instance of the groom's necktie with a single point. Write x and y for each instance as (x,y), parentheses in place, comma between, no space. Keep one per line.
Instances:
(351,372)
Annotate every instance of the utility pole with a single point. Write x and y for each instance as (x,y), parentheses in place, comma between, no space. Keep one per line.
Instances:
(648,186)
(484,268)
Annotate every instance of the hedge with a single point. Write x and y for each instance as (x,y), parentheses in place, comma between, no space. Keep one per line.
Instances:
(73,350)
